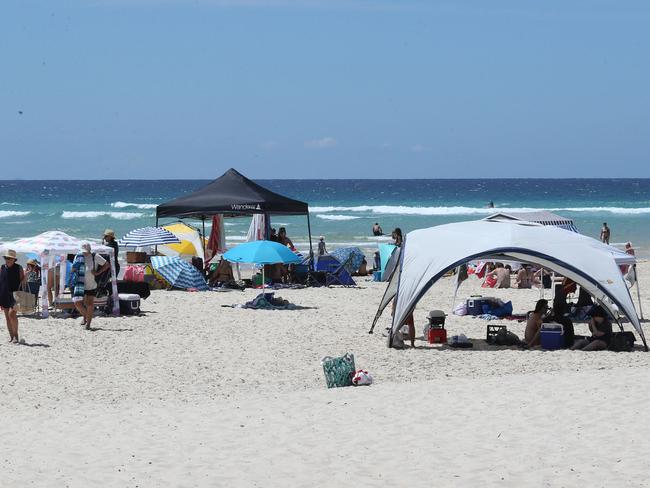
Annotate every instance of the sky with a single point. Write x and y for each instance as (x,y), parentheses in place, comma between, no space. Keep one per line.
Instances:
(324,89)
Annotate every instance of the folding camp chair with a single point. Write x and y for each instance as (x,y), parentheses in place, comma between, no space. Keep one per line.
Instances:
(340,276)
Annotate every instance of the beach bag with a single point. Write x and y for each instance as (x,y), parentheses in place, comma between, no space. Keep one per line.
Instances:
(338,371)
(622,341)
(25,300)
(362,378)
(506,338)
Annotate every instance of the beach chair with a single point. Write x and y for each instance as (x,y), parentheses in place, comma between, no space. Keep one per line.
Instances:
(339,276)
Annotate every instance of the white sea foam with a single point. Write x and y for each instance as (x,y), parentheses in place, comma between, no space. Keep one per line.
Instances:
(10,203)
(135,205)
(460,210)
(12,213)
(337,217)
(93,215)
(235,238)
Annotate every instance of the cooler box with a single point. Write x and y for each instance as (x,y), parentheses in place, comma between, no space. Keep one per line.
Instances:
(552,337)
(129,303)
(437,335)
(475,305)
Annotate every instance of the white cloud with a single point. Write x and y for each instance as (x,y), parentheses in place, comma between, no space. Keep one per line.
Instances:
(268,145)
(322,143)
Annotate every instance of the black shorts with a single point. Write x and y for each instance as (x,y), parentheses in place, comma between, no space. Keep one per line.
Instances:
(90,293)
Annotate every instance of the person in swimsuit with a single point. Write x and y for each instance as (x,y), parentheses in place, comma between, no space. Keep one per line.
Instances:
(601,332)
(397,237)
(502,276)
(605,233)
(524,278)
(534,323)
(11,276)
(377,230)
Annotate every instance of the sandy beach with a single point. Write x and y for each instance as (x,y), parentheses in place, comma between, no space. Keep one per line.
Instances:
(196,394)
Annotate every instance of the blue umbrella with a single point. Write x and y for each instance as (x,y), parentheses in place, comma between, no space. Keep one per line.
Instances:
(350,257)
(178,273)
(261,253)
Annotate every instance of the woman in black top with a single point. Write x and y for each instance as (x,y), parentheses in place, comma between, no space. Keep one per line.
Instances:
(601,332)
(11,275)
(109,240)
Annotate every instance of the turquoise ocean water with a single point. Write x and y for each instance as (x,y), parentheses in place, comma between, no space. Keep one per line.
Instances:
(341,210)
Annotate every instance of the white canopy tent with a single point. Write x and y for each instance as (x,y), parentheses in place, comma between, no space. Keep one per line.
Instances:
(50,245)
(427,254)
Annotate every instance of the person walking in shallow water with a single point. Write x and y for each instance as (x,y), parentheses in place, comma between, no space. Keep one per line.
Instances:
(605,233)
(11,276)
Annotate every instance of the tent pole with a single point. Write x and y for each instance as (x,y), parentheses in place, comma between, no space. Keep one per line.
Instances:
(311,248)
(638,291)
(203,236)
(155,249)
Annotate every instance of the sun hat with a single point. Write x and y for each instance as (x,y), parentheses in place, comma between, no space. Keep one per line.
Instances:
(32,261)
(85,247)
(109,232)
(10,253)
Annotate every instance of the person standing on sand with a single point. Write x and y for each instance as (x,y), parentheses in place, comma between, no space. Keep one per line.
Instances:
(11,275)
(85,286)
(322,249)
(377,230)
(109,240)
(605,233)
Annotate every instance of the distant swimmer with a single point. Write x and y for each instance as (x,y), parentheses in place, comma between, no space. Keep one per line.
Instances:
(605,233)
(490,204)
(377,230)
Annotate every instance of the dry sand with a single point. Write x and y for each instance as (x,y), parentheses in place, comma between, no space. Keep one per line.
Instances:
(194,394)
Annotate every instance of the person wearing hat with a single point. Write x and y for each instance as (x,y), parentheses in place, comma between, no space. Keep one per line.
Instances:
(33,276)
(322,249)
(109,240)
(11,276)
(86,267)
(601,331)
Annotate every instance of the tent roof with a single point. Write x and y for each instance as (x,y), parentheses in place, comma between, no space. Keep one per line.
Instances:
(427,254)
(231,194)
(543,217)
(55,242)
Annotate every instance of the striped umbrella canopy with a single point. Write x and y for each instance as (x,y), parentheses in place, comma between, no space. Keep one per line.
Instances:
(178,273)
(148,236)
(350,257)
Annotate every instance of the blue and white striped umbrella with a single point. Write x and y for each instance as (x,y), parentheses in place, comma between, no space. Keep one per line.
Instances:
(148,236)
(179,273)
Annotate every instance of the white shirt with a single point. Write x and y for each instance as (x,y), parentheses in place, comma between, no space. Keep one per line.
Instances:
(91,265)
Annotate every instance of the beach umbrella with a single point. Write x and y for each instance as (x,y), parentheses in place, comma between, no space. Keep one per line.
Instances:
(261,253)
(350,257)
(178,273)
(148,236)
(190,244)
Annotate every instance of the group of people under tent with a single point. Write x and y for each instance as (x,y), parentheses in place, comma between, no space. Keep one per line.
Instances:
(83,271)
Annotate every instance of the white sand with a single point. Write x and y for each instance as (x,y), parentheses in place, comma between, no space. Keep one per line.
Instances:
(193,394)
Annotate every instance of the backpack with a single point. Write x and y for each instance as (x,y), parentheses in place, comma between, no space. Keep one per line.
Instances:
(506,338)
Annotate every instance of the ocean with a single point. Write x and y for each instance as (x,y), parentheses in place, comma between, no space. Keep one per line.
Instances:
(341,210)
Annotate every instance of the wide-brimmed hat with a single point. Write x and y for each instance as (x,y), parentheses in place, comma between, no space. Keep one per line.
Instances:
(85,247)
(32,262)
(109,232)
(10,253)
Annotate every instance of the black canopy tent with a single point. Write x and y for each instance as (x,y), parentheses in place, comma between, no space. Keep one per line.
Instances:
(233,195)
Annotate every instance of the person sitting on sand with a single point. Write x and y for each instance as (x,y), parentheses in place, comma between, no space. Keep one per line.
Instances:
(524,278)
(11,276)
(397,237)
(534,323)
(601,332)
(377,230)
(284,239)
(502,276)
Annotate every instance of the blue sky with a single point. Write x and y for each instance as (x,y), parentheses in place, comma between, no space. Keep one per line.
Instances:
(310,89)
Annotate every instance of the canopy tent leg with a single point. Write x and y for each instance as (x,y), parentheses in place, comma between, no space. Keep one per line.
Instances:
(638,291)
(203,235)
(311,248)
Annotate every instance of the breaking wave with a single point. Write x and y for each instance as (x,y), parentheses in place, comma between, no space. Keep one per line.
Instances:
(12,213)
(337,217)
(142,206)
(94,215)
(460,210)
